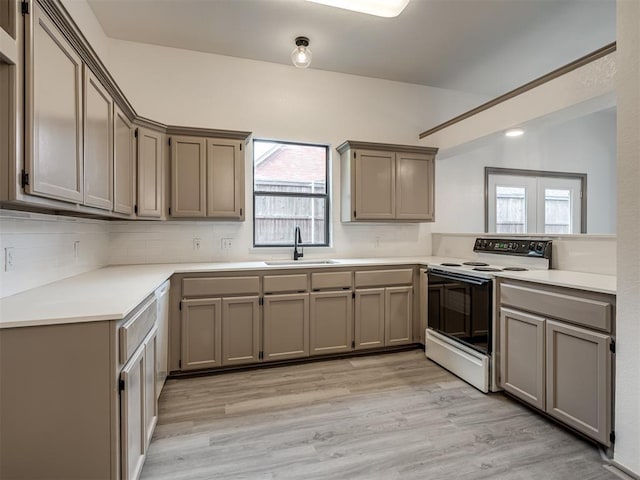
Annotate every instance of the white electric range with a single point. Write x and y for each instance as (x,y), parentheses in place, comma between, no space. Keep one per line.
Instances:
(461,322)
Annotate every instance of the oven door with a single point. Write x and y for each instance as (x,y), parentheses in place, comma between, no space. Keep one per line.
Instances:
(459,306)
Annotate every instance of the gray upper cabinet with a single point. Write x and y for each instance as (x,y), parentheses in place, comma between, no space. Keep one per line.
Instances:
(53,133)
(150,173)
(207,178)
(414,186)
(375,185)
(98,144)
(124,164)
(188,170)
(382,182)
(225,179)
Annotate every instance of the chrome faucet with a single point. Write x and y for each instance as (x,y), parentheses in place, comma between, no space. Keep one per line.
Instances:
(297,239)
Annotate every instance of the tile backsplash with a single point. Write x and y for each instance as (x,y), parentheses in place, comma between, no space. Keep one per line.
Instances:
(44,248)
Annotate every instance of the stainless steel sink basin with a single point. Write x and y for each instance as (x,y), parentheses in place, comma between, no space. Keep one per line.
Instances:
(300,262)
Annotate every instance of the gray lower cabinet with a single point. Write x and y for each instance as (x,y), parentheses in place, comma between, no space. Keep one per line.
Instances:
(522,350)
(555,353)
(133,434)
(398,315)
(331,322)
(81,398)
(383,317)
(579,379)
(369,318)
(286,326)
(201,333)
(240,330)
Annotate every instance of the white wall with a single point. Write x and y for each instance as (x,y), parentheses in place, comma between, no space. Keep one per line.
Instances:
(627,449)
(180,87)
(582,145)
(43,248)
(86,20)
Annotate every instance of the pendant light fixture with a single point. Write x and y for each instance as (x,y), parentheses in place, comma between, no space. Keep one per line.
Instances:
(301,55)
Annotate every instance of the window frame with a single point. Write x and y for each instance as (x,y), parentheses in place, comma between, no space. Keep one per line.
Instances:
(326,195)
(582,177)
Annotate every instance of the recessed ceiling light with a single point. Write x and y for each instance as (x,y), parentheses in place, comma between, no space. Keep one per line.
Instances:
(379,8)
(514,132)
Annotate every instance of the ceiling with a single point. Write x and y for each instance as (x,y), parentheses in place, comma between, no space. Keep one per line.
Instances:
(480,46)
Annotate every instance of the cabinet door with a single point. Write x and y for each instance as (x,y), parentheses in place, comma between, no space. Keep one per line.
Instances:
(579,379)
(53,112)
(225,179)
(414,187)
(124,164)
(286,326)
(331,322)
(240,330)
(150,176)
(398,315)
(522,350)
(188,182)
(98,144)
(369,318)
(133,438)
(162,358)
(150,374)
(375,185)
(201,333)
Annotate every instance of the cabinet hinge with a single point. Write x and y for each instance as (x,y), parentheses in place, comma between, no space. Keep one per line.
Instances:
(354,214)
(24,179)
(180,364)
(612,437)
(180,305)
(240,212)
(353,344)
(169,210)
(135,133)
(121,385)
(612,346)
(240,147)
(169,141)
(354,154)
(135,209)
(260,355)
(261,301)
(25,8)
(353,294)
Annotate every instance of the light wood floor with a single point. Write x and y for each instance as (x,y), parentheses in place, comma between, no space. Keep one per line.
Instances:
(393,416)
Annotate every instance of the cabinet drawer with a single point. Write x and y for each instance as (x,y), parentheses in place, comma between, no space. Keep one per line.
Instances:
(285,283)
(374,278)
(321,281)
(218,286)
(134,330)
(582,311)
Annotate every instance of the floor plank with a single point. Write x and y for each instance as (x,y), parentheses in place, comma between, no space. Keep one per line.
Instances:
(392,416)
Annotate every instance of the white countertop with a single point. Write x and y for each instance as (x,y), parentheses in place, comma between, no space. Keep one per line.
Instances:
(111,293)
(563,278)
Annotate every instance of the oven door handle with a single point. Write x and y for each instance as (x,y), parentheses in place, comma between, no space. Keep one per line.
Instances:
(459,278)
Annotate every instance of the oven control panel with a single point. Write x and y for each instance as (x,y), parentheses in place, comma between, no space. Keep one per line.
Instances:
(514,246)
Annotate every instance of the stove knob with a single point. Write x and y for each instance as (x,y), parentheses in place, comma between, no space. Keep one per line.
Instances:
(532,245)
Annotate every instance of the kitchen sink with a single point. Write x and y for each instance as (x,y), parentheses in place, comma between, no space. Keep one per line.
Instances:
(300,262)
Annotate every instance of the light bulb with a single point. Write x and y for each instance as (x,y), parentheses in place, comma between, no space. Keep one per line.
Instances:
(301,55)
